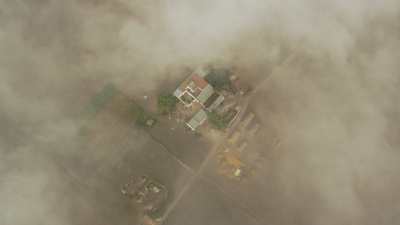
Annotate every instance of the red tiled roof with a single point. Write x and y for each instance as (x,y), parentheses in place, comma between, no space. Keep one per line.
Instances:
(199,81)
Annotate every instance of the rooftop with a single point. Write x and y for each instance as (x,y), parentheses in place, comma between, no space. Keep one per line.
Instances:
(197,119)
(199,81)
(205,94)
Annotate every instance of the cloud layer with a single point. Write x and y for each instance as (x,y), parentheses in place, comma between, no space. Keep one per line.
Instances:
(335,106)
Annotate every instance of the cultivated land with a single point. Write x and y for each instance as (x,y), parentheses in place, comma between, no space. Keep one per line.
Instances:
(204,203)
(112,149)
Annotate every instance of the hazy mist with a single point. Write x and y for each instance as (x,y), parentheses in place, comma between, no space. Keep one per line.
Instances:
(334,104)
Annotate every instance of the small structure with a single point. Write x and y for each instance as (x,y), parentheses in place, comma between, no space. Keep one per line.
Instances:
(242,146)
(234,138)
(197,120)
(217,102)
(247,120)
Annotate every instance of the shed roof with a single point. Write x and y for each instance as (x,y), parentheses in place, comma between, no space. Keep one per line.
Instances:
(197,119)
(205,94)
(199,81)
(216,103)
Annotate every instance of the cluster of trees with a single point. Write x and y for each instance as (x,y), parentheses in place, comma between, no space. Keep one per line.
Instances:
(166,103)
(219,78)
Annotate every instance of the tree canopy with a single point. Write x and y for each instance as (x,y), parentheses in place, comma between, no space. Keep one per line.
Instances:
(166,103)
(219,78)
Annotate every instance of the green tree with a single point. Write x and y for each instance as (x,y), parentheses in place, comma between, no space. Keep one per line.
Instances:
(166,103)
(219,78)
